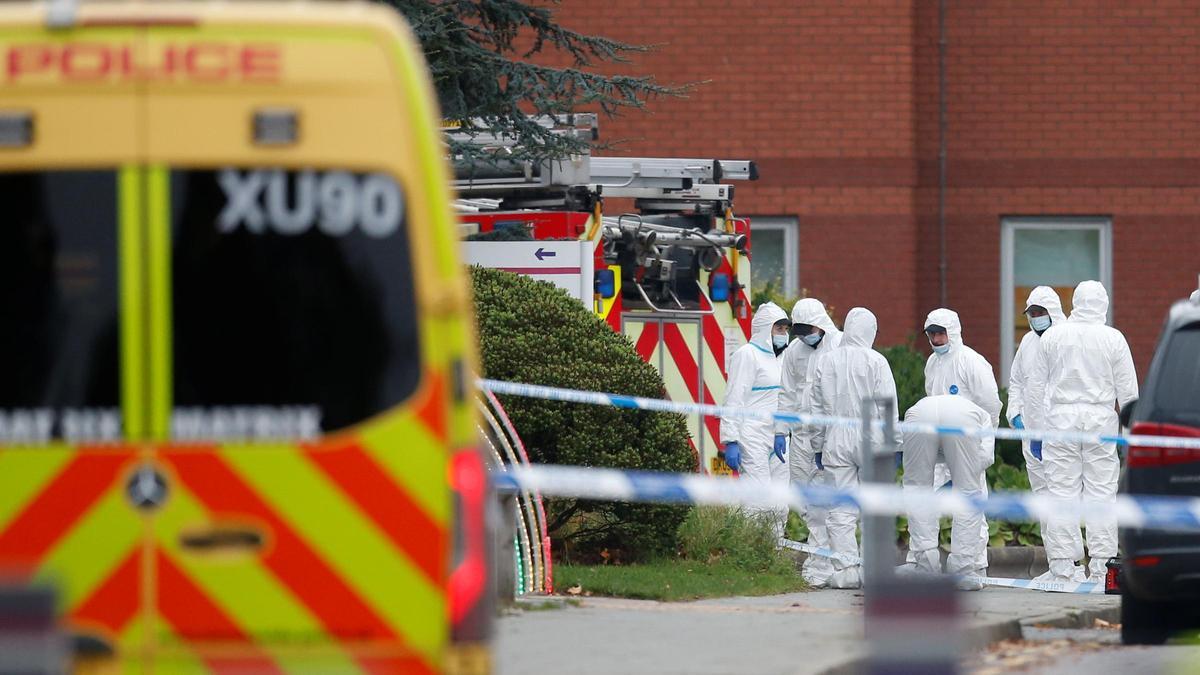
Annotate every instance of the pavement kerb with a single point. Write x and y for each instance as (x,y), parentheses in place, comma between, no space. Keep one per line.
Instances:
(1074,618)
(975,637)
(980,636)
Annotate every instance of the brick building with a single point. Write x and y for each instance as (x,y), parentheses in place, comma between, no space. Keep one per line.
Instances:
(1071,136)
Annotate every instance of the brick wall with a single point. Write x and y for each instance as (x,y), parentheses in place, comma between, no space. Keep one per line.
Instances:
(1059,109)
(821,95)
(1054,108)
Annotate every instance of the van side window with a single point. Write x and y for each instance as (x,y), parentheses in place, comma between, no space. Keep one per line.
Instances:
(293,288)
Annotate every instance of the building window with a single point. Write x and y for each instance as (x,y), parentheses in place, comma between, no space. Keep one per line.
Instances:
(1045,251)
(775,254)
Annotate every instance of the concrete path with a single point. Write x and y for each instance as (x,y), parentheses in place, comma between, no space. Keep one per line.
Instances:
(1087,649)
(813,632)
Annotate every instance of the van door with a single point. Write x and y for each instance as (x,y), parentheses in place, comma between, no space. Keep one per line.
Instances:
(66,455)
(306,519)
(70,289)
(301,396)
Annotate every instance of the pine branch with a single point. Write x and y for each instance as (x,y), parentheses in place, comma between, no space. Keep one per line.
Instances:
(478,53)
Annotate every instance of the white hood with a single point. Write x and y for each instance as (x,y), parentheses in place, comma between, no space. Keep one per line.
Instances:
(1090,303)
(861,327)
(812,312)
(948,319)
(1044,296)
(768,315)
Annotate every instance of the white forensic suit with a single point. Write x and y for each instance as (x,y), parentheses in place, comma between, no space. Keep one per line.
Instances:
(1025,393)
(755,373)
(967,459)
(962,371)
(1089,373)
(843,378)
(799,365)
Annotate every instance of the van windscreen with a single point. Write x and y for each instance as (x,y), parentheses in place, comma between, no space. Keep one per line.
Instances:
(293,300)
(58,306)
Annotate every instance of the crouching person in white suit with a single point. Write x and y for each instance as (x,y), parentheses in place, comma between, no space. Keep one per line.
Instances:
(967,458)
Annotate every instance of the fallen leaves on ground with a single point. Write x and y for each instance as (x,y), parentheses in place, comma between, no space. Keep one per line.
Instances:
(1010,655)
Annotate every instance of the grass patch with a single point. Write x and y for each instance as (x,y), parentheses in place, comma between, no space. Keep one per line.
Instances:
(674,580)
(549,605)
(722,552)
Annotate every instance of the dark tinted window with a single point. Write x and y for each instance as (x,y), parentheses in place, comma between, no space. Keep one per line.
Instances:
(292,289)
(1177,391)
(58,304)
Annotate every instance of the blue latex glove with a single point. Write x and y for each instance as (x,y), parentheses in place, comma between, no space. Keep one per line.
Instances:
(899,459)
(1035,449)
(1018,423)
(780,446)
(733,455)
(820,466)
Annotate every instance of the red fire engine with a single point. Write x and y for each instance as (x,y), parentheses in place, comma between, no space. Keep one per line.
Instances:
(672,275)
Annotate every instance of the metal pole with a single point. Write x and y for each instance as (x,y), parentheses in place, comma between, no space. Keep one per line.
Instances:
(879,532)
(912,625)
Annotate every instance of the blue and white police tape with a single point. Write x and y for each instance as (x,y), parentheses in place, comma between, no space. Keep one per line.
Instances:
(661,405)
(844,558)
(1159,513)
(1081,587)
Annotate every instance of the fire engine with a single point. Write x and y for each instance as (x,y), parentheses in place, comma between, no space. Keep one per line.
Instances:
(672,275)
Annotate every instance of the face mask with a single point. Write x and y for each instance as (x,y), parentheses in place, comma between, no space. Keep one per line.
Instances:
(780,341)
(812,339)
(1039,323)
(940,350)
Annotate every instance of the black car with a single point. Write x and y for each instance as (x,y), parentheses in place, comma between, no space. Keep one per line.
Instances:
(1160,571)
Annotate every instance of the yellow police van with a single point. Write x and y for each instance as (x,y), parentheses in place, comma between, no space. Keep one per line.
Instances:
(236,420)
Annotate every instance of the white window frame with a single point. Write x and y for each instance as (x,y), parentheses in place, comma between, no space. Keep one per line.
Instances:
(790,226)
(1008,228)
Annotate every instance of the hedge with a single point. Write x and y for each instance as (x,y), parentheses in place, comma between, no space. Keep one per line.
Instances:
(531,331)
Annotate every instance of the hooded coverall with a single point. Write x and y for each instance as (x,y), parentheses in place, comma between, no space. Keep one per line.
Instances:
(799,365)
(754,382)
(962,371)
(843,379)
(1089,373)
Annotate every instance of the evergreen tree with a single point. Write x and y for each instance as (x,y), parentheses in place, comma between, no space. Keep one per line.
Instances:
(479,53)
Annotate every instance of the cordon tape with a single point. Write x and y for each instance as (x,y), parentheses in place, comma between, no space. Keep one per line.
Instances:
(661,405)
(1145,512)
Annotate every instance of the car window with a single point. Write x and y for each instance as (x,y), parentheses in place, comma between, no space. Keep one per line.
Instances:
(1177,391)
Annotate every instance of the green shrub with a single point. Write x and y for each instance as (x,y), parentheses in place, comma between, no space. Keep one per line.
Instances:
(530,331)
(772,291)
(796,529)
(711,534)
(908,369)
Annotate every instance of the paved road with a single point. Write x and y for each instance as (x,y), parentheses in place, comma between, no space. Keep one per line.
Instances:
(1073,651)
(810,632)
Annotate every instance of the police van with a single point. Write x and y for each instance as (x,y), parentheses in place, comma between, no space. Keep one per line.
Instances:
(236,421)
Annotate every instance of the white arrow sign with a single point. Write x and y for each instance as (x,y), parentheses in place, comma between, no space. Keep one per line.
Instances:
(566,264)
